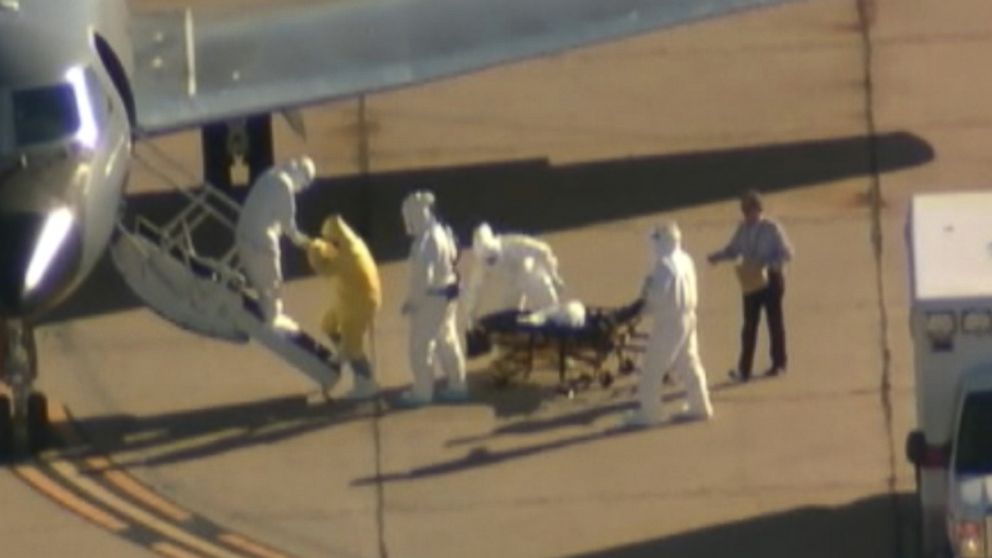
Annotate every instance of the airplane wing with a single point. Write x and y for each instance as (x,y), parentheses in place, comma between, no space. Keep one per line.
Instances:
(191,71)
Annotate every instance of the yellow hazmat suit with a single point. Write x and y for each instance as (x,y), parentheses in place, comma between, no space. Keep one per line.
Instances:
(342,256)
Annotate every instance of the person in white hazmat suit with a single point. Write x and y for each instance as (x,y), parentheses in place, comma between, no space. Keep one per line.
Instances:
(269,212)
(431,304)
(500,264)
(670,298)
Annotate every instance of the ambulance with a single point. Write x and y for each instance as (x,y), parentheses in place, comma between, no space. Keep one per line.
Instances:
(949,238)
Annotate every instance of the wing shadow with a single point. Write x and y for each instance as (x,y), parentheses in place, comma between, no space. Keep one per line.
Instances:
(536,197)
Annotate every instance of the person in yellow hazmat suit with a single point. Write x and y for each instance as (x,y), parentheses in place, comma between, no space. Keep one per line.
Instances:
(342,257)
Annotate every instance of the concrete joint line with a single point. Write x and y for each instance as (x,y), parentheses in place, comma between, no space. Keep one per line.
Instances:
(866,17)
(380,488)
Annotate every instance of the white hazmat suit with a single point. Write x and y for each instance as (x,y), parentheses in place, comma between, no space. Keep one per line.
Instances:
(431,303)
(268,212)
(670,298)
(524,268)
(536,287)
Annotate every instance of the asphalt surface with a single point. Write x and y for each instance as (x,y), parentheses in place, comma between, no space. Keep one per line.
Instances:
(837,110)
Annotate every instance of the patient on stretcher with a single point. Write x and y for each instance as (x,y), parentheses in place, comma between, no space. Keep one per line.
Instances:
(569,314)
(593,326)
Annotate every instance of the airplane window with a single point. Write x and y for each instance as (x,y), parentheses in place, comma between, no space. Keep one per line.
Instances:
(974,452)
(43,114)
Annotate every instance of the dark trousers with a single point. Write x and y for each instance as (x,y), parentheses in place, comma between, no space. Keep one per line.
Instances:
(769,298)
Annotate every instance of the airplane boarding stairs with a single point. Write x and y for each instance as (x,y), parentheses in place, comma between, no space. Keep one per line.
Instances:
(208,295)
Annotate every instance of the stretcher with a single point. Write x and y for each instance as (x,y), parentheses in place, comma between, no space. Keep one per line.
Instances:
(518,346)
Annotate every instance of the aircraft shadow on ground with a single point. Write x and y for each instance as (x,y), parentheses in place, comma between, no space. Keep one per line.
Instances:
(879,526)
(198,433)
(619,399)
(535,197)
(874,527)
(482,456)
(477,455)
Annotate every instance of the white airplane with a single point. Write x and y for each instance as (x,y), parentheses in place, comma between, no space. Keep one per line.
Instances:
(82,80)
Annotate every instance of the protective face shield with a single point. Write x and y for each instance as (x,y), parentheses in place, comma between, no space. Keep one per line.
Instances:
(485,245)
(302,170)
(665,239)
(417,212)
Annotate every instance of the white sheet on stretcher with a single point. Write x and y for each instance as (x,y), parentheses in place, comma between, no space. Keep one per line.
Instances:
(569,314)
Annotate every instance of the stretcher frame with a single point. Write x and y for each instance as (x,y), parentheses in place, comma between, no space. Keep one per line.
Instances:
(518,348)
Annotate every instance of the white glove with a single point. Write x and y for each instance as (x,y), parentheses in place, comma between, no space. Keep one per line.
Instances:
(300,240)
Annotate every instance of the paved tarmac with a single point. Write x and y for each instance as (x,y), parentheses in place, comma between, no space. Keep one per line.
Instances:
(838,110)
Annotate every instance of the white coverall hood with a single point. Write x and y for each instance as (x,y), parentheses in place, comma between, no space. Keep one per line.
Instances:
(418,212)
(666,238)
(485,245)
(302,172)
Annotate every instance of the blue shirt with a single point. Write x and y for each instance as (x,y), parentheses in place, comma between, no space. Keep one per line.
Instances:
(763,241)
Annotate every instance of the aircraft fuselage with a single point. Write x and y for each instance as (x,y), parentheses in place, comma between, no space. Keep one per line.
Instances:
(65,142)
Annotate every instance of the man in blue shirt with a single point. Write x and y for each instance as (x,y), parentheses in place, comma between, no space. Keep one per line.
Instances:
(761,248)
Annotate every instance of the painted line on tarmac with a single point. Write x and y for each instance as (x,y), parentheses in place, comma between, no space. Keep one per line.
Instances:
(68,499)
(128,485)
(249,546)
(98,490)
(164,528)
(171,551)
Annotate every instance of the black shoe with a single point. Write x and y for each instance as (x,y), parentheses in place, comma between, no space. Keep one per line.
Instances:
(775,371)
(739,376)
